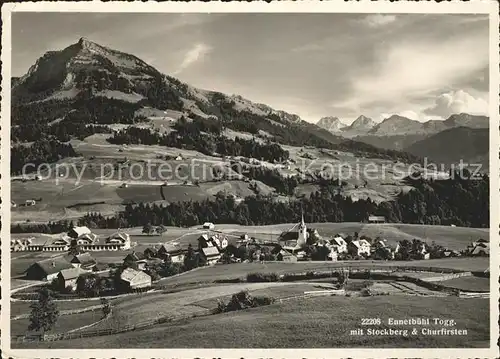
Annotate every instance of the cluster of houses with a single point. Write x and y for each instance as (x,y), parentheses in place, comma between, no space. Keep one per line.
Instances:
(210,248)
(81,236)
(66,270)
(481,247)
(341,246)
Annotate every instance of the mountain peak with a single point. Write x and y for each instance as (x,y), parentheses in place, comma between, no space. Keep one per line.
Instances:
(86,43)
(362,122)
(331,123)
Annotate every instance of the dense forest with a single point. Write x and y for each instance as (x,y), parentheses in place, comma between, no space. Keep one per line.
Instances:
(41,151)
(458,201)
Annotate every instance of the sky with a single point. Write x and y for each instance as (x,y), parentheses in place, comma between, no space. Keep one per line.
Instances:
(422,66)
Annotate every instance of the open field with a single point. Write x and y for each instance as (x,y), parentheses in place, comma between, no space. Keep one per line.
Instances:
(64,323)
(18,308)
(102,167)
(276,292)
(154,305)
(240,270)
(468,283)
(295,324)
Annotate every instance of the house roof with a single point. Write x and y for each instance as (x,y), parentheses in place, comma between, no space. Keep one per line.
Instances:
(285,253)
(101,266)
(210,251)
(360,242)
(80,230)
(130,274)
(364,242)
(338,241)
(289,236)
(203,237)
(171,249)
(83,259)
(90,236)
(53,265)
(119,235)
(135,256)
(71,273)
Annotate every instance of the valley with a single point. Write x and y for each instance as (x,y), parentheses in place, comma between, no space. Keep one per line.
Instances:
(150,212)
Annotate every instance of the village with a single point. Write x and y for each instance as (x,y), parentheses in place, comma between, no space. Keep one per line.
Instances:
(76,271)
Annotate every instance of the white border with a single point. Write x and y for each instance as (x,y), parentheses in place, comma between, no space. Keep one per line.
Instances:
(485,7)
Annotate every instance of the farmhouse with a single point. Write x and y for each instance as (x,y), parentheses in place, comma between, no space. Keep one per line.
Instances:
(30,202)
(208,225)
(68,277)
(210,255)
(176,254)
(134,279)
(17,245)
(333,255)
(87,238)
(118,240)
(77,232)
(84,261)
(20,244)
(359,247)
(47,269)
(57,245)
(378,243)
(339,244)
(480,249)
(135,260)
(205,241)
(151,252)
(286,256)
(376,219)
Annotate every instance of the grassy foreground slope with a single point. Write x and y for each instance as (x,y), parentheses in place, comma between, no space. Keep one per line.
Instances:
(296,324)
(240,270)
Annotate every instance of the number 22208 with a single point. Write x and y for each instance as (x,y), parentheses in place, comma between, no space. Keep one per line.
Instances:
(371,321)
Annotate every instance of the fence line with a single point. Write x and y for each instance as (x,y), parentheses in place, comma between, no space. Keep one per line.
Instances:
(110,331)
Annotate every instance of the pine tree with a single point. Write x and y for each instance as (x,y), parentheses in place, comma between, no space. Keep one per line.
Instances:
(44,312)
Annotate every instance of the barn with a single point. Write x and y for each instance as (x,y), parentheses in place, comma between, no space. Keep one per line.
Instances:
(47,269)
(134,279)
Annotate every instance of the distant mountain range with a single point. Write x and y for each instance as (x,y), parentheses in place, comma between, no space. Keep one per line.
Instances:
(461,136)
(396,125)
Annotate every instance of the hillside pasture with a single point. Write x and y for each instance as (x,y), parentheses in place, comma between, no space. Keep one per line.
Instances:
(240,270)
(296,324)
(64,323)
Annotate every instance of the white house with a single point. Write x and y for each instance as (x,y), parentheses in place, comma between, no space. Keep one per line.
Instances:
(30,202)
(333,254)
(210,254)
(76,232)
(208,225)
(122,239)
(376,219)
(359,247)
(339,244)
